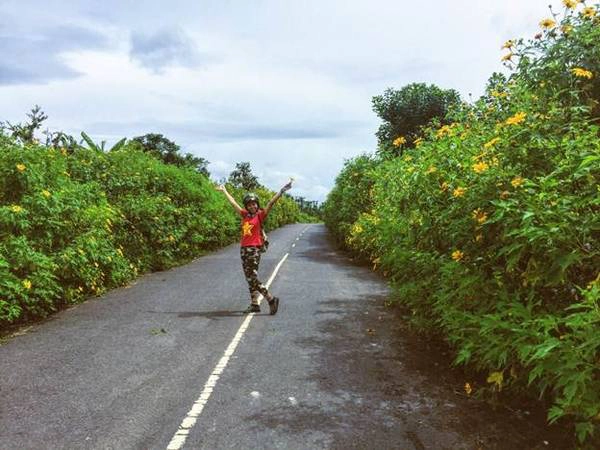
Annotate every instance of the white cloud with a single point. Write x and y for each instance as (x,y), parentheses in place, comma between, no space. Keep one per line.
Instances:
(285,85)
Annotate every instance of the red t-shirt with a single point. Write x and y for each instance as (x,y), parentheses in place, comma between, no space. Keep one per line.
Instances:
(251,228)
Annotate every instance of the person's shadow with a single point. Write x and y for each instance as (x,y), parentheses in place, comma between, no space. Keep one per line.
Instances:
(207,314)
(210,314)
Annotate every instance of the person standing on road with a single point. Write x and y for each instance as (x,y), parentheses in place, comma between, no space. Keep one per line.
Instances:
(253,217)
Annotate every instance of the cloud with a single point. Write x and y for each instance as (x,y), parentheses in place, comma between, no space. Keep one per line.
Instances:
(164,48)
(32,58)
(284,85)
(227,131)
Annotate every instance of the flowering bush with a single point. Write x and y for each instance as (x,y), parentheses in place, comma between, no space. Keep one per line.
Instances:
(74,224)
(489,228)
(350,196)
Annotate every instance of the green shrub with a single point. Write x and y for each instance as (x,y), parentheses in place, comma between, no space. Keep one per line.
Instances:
(489,228)
(350,196)
(77,223)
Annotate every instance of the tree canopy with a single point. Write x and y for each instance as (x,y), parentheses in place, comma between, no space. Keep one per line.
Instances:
(168,152)
(242,177)
(405,111)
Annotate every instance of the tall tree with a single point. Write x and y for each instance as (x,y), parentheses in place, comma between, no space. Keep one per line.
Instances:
(404,112)
(168,152)
(242,177)
(26,132)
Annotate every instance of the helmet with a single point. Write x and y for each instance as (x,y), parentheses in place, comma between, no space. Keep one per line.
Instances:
(251,197)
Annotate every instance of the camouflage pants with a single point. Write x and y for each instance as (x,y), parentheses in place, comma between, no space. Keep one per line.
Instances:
(250,261)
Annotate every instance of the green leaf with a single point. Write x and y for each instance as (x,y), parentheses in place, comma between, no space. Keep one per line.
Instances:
(118,145)
(583,430)
(90,142)
(544,350)
(555,413)
(496,378)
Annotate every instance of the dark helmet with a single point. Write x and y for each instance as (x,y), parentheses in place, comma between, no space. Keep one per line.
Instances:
(251,197)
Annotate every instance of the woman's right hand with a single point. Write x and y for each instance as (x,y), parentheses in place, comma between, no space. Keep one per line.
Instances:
(288,186)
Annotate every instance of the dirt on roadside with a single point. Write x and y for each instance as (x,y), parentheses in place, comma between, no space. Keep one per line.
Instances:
(400,375)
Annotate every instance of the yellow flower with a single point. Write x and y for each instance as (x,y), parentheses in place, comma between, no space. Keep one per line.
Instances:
(517,181)
(566,29)
(498,94)
(431,169)
(479,215)
(516,119)
(171,238)
(459,192)
(27,284)
(480,167)
(479,237)
(507,57)
(582,73)
(445,130)
(356,230)
(491,143)
(570,3)
(508,44)
(16,208)
(468,388)
(418,141)
(589,11)
(457,255)
(21,167)
(399,141)
(547,24)
(46,193)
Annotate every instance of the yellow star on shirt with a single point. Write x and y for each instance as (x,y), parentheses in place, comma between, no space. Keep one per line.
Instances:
(247,229)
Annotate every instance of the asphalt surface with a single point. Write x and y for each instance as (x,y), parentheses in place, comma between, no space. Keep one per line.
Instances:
(334,369)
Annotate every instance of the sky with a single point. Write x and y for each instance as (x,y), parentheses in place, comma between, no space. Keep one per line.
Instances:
(285,85)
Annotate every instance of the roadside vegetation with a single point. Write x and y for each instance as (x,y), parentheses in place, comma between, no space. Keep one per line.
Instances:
(486,220)
(77,219)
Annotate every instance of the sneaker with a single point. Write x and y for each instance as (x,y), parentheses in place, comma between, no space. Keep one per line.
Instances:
(252,309)
(274,306)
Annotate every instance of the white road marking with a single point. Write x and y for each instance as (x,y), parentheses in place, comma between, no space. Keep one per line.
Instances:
(293,245)
(192,416)
(255,394)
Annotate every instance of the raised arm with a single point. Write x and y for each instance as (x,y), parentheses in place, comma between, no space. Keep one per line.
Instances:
(223,189)
(276,197)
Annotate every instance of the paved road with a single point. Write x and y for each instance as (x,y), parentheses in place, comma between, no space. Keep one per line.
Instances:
(328,371)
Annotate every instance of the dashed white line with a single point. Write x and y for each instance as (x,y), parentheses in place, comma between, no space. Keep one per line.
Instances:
(192,416)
